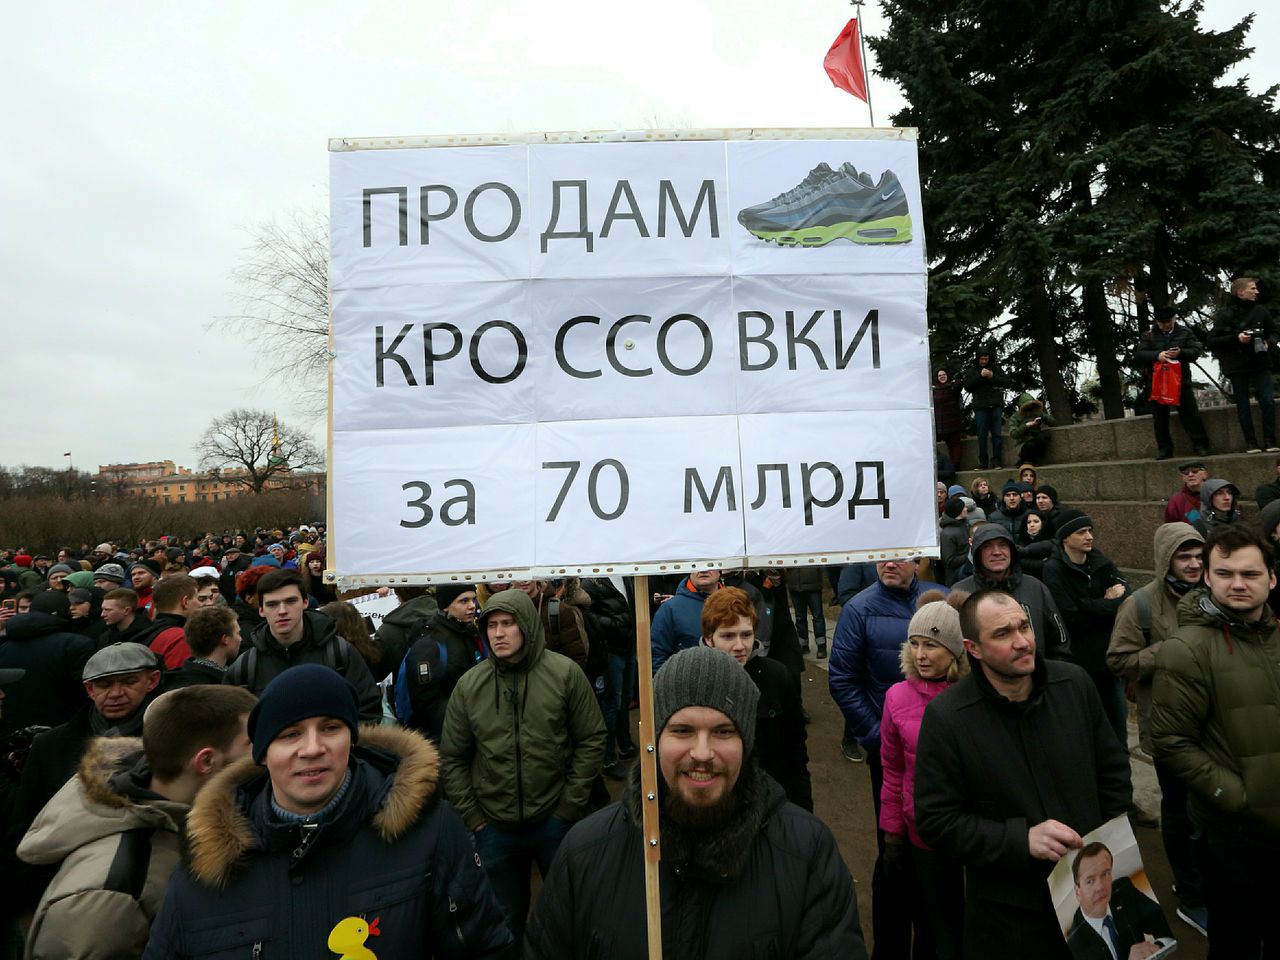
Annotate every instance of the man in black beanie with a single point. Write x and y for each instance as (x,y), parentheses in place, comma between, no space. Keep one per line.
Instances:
(730,887)
(1088,590)
(341,837)
(440,651)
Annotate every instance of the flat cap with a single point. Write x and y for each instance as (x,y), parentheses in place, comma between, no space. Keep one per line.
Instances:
(120,658)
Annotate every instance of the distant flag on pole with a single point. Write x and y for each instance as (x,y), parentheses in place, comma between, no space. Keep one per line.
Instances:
(843,62)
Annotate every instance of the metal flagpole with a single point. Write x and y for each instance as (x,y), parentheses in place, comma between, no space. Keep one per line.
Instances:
(862,49)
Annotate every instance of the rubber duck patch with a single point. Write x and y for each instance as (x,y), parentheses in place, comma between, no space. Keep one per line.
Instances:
(348,936)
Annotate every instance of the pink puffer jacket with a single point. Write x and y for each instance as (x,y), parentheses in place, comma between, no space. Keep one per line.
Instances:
(899,733)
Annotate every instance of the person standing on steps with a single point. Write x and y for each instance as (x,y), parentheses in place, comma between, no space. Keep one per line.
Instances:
(986,384)
(948,418)
(1169,342)
(1241,338)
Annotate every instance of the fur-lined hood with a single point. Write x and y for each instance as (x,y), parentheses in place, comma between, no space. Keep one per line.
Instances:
(98,802)
(220,831)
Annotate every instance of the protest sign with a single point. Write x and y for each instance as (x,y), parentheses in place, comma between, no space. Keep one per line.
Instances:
(604,355)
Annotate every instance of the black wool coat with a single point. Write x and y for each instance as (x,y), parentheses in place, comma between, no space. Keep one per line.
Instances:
(769,883)
(989,769)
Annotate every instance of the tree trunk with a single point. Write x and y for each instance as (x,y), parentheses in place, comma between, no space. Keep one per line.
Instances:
(1102,334)
(1098,322)
(1044,335)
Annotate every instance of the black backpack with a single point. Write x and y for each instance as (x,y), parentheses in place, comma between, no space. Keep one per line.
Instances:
(426,658)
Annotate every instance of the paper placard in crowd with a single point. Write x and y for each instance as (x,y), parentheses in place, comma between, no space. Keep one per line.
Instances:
(574,353)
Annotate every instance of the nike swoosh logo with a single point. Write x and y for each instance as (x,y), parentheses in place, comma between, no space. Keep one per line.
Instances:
(886,196)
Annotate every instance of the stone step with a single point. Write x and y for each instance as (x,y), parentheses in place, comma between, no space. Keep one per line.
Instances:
(1132,438)
(1134,480)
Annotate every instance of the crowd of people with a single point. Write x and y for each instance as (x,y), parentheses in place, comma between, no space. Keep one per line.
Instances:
(195,728)
(208,752)
(474,729)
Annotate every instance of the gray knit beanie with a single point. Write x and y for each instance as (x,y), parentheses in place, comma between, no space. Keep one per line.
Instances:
(938,621)
(706,677)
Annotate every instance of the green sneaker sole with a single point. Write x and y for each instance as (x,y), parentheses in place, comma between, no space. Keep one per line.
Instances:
(888,230)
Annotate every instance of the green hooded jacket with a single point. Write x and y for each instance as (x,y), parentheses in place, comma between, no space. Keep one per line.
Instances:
(1215,714)
(1028,409)
(523,735)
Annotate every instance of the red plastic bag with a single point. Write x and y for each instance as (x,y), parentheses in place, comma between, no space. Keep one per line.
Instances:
(1166,383)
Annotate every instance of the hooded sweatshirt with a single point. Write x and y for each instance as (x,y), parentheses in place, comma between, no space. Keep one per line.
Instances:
(523,734)
(1137,636)
(109,886)
(1051,633)
(1209,517)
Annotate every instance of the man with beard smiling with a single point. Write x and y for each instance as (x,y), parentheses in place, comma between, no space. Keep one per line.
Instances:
(743,873)
(1015,763)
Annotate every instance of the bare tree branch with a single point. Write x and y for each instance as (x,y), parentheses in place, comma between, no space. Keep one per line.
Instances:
(282,298)
(250,441)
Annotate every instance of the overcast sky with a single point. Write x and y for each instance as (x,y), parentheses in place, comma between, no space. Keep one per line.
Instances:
(144,140)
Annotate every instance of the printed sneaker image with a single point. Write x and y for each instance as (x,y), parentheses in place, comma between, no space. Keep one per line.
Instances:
(832,205)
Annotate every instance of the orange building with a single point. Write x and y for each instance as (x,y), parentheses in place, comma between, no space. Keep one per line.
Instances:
(163,481)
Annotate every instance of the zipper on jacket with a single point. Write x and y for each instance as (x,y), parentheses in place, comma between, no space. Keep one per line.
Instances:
(457,927)
(593,951)
(515,719)
(309,831)
(257,950)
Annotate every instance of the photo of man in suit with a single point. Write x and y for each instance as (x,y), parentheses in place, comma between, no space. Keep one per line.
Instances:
(1114,918)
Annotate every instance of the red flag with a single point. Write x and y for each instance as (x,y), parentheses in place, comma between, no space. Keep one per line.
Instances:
(843,62)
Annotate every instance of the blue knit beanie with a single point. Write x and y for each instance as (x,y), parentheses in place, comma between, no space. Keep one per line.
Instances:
(307,690)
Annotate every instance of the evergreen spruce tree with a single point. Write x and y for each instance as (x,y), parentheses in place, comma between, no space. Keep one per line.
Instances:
(1075,157)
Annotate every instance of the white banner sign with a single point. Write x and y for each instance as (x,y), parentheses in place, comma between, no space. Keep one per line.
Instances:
(569,355)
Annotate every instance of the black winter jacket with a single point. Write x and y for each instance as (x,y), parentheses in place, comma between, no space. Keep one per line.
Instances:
(953,540)
(1235,317)
(770,883)
(54,658)
(780,730)
(392,852)
(427,691)
(266,659)
(192,673)
(989,769)
(1078,590)
(987,392)
(1155,341)
(609,617)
